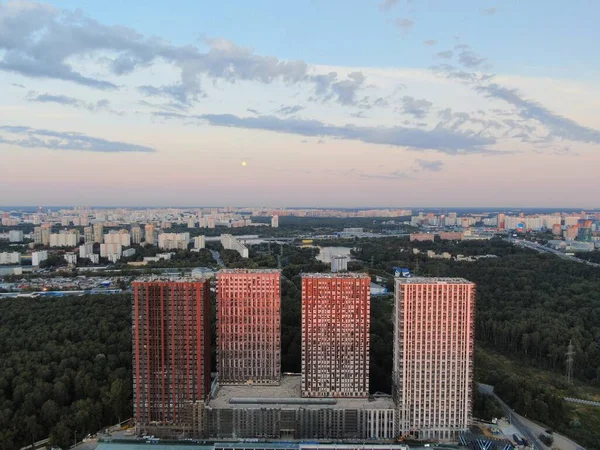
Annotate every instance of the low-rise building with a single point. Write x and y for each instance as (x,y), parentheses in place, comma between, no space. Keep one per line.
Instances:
(279,412)
(129,252)
(203,272)
(451,235)
(422,237)
(158,257)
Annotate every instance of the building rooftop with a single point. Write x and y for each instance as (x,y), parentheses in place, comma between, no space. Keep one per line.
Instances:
(287,394)
(169,279)
(249,271)
(337,275)
(432,280)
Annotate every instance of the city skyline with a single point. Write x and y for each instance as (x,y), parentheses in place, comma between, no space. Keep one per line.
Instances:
(119,104)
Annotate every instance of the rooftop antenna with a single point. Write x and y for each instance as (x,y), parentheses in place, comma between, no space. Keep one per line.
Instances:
(570,353)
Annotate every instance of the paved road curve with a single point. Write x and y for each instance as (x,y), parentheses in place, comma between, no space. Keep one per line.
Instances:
(530,430)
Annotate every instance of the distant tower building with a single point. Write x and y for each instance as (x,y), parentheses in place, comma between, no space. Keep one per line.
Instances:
(15,236)
(335,335)
(37,235)
(38,257)
(46,235)
(339,263)
(136,235)
(556,229)
(249,326)
(199,242)
(571,232)
(434,326)
(86,250)
(571,220)
(98,233)
(88,235)
(171,349)
(275,221)
(41,235)
(191,222)
(584,234)
(149,234)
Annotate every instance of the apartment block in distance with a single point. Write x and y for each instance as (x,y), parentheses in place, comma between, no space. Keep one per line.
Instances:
(171,353)
(335,334)
(434,324)
(249,326)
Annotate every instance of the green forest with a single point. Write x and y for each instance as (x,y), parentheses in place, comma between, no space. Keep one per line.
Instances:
(65,367)
(65,364)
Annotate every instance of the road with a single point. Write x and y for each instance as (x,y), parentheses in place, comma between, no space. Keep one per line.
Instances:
(530,430)
(217,257)
(543,249)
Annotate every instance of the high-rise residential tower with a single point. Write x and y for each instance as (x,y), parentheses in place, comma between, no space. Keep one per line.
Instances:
(136,234)
(249,326)
(149,234)
(41,235)
(171,348)
(434,324)
(335,334)
(99,233)
(88,235)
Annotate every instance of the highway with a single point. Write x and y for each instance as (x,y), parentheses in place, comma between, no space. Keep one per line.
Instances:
(543,249)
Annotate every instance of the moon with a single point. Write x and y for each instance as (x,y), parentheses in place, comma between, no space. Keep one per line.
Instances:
(244,163)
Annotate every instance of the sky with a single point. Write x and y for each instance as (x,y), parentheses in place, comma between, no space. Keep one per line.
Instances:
(313,102)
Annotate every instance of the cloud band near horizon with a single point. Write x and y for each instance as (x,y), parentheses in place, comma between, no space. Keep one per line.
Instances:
(445,141)
(27,137)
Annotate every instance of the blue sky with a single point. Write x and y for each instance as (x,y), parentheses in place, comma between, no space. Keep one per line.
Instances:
(334,102)
(534,37)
